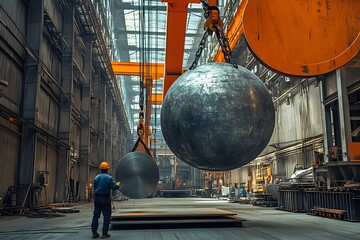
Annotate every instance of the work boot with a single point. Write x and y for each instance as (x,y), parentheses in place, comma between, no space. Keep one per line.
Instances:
(105,235)
(95,235)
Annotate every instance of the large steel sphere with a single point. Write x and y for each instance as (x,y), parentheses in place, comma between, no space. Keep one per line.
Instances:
(138,175)
(217,117)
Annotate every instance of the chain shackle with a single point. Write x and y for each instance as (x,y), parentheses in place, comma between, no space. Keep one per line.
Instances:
(140,130)
(212,24)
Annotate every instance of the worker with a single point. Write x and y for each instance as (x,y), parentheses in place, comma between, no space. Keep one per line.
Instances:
(103,184)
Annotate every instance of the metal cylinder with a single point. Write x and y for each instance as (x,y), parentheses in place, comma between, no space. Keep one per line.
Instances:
(138,174)
(217,117)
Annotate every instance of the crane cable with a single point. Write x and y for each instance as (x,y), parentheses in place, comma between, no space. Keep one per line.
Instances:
(140,130)
(140,127)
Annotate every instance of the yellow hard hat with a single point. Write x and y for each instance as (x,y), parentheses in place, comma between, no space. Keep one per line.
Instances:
(104,165)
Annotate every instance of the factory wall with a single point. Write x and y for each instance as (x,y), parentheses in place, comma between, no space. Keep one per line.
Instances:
(12,56)
(300,119)
(297,134)
(10,139)
(297,123)
(61,113)
(237,176)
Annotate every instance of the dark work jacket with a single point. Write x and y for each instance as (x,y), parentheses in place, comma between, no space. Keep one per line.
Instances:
(103,183)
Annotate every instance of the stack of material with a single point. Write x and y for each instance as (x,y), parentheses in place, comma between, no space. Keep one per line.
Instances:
(337,203)
(292,198)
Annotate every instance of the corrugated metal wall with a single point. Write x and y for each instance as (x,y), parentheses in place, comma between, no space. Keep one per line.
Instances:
(9,144)
(238,176)
(64,107)
(298,124)
(302,118)
(12,54)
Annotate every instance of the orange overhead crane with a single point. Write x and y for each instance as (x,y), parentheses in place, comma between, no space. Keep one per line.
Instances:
(285,35)
(302,38)
(154,71)
(177,11)
(175,40)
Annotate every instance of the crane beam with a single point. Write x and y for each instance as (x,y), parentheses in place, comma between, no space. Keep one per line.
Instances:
(153,70)
(175,40)
(156,99)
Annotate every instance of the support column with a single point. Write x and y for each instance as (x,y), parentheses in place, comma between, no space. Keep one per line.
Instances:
(116,137)
(108,131)
(326,118)
(344,115)
(65,124)
(278,168)
(34,37)
(85,124)
(95,118)
(102,119)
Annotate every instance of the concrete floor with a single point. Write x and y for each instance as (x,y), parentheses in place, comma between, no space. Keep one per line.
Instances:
(261,223)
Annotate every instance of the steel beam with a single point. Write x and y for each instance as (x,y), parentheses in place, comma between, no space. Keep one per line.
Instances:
(102,119)
(130,6)
(344,114)
(326,119)
(34,37)
(156,99)
(153,70)
(199,35)
(85,143)
(175,39)
(65,123)
(108,130)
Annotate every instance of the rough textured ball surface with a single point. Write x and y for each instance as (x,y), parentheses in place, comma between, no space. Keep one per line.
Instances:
(138,175)
(217,117)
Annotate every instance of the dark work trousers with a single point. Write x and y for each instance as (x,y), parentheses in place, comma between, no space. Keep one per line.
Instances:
(102,204)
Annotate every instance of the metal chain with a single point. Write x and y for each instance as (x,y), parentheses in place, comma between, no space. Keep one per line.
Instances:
(200,49)
(205,5)
(223,41)
(142,58)
(225,46)
(141,99)
(140,126)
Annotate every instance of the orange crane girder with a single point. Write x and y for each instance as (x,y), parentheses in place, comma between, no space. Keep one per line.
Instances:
(154,71)
(156,98)
(175,40)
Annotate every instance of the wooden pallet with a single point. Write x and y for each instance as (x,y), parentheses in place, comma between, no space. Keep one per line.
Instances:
(329,213)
